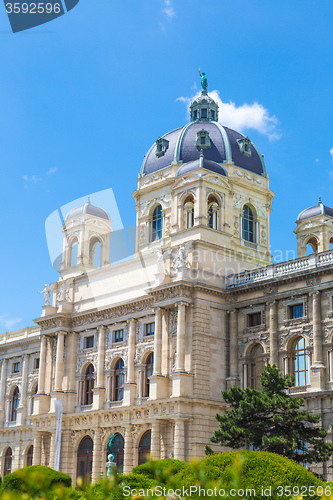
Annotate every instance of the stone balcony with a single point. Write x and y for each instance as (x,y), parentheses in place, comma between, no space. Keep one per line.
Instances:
(284,269)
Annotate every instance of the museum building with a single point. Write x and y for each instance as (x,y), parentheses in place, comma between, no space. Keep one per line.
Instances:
(140,350)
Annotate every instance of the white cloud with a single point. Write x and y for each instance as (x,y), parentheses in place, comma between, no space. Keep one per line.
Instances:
(52,171)
(331,153)
(8,323)
(33,178)
(242,118)
(168,9)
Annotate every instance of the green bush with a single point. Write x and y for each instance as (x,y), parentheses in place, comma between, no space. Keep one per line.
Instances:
(159,468)
(36,478)
(108,489)
(257,470)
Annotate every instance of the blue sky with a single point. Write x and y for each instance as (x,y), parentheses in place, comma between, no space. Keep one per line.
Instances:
(82,99)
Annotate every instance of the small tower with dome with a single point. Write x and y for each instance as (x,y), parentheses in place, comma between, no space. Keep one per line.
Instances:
(86,240)
(314,229)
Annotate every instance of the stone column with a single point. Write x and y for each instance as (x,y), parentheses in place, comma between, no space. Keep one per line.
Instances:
(317,331)
(52,450)
(158,342)
(233,378)
(131,351)
(273,334)
(97,456)
(37,449)
(155,448)
(165,342)
(3,384)
(23,398)
(331,364)
(59,369)
(42,366)
(100,357)
(72,348)
(179,439)
(180,360)
(317,370)
(128,450)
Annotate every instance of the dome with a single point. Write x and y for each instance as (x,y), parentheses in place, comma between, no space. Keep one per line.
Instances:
(90,209)
(224,144)
(319,209)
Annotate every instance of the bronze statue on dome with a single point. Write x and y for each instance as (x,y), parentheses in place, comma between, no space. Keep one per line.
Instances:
(204,83)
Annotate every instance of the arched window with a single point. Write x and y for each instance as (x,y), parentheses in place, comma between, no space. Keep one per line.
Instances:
(97,255)
(300,363)
(144,447)
(157,223)
(74,251)
(248,224)
(189,212)
(256,366)
(149,372)
(95,252)
(213,208)
(88,385)
(119,379)
(85,457)
(14,404)
(8,462)
(117,450)
(30,453)
(331,244)
(311,246)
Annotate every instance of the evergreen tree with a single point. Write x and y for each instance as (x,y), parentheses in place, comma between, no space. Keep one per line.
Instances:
(271,420)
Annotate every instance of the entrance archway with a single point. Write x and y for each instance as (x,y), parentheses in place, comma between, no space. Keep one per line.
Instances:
(144,447)
(117,450)
(85,457)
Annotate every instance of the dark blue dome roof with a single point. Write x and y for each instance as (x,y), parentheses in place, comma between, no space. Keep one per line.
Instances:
(224,148)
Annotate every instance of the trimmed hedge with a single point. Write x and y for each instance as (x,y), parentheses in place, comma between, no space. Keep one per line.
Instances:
(162,468)
(259,470)
(102,490)
(39,475)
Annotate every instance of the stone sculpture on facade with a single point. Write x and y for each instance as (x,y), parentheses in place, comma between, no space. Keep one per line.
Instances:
(47,293)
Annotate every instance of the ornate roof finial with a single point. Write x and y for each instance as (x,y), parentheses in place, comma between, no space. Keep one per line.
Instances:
(88,201)
(319,200)
(204,83)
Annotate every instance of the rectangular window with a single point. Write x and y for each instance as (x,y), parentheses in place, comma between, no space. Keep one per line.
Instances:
(36,363)
(118,335)
(213,114)
(254,319)
(203,140)
(204,113)
(149,329)
(89,342)
(296,311)
(16,367)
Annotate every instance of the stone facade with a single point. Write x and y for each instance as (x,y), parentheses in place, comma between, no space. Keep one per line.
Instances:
(191,296)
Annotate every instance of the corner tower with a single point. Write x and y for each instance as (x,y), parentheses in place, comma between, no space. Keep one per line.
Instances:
(207,184)
(86,241)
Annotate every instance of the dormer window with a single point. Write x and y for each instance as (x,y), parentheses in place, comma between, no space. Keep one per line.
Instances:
(203,140)
(161,146)
(245,146)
